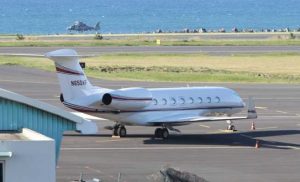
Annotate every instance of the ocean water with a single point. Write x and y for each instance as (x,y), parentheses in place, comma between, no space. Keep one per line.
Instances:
(134,16)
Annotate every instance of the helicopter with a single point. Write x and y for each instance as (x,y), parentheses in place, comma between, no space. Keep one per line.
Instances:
(82,27)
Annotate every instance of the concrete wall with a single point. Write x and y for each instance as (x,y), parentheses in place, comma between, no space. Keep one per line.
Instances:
(31,161)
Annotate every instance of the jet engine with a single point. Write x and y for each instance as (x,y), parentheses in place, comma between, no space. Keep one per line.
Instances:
(127,99)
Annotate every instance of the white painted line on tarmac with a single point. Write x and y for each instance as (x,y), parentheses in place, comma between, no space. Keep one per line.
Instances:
(93,169)
(14,81)
(272,116)
(270,98)
(204,126)
(282,146)
(161,148)
(298,124)
(283,112)
(86,116)
(265,128)
(107,141)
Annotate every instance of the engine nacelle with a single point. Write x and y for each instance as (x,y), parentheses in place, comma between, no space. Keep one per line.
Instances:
(127,99)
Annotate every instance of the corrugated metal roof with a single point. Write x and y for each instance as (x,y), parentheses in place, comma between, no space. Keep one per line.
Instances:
(42,106)
(18,112)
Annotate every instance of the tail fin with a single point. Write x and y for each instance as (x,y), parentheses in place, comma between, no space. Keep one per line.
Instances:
(97,27)
(73,82)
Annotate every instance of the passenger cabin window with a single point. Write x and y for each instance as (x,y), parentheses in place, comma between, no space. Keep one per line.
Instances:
(218,99)
(173,101)
(155,102)
(200,100)
(208,100)
(191,100)
(164,101)
(182,101)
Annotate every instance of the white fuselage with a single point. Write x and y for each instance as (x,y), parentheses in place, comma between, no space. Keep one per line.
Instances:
(167,104)
(141,106)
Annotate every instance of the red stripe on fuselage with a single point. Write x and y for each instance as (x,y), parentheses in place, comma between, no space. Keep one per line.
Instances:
(60,70)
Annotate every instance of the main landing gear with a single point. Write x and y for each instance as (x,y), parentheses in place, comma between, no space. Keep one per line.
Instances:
(119,130)
(230,125)
(161,133)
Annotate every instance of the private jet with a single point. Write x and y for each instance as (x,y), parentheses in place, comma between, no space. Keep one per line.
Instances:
(164,108)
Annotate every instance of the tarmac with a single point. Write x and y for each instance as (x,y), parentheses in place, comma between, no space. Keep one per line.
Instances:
(212,50)
(205,149)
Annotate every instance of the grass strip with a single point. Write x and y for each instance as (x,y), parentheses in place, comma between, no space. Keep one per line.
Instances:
(264,68)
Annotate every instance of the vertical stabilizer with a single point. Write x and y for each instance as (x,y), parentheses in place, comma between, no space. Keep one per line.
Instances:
(73,82)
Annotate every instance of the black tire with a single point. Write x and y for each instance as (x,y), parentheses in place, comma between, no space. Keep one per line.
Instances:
(158,133)
(231,127)
(122,131)
(115,132)
(165,133)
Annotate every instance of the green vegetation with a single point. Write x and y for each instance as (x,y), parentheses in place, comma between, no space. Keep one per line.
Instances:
(205,39)
(263,68)
(98,36)
(98,42)
(20,37)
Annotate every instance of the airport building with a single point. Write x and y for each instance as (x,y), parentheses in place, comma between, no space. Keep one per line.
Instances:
(30,137)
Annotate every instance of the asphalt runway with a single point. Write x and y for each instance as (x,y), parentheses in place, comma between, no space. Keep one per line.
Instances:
(212,50)
(201,148)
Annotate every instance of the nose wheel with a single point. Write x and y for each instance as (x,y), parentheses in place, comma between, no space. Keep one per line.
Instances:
(119,130)
(161,133)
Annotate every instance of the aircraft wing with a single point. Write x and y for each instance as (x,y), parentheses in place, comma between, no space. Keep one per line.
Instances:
(181,119)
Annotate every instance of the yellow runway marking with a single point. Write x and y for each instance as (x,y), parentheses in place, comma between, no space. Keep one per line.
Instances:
(220,131)
(204,126)
(226,131)
(296,148)
(263,108)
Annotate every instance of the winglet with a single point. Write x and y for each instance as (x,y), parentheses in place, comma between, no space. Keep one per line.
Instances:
(251,109)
